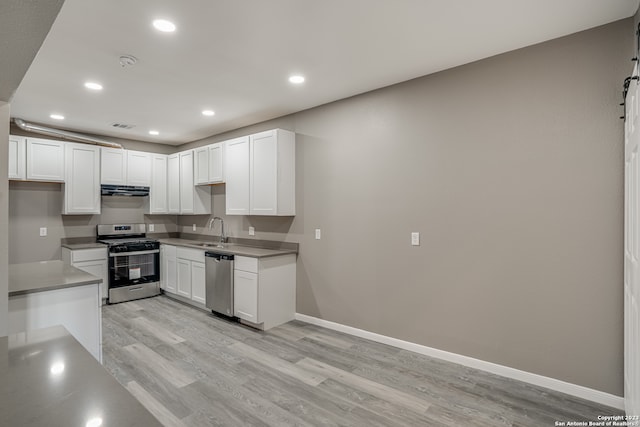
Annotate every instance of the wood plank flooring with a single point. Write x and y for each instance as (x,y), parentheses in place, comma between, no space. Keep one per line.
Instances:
(190,369)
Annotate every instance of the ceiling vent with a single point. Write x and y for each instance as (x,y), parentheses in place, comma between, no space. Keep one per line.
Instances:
(122,126)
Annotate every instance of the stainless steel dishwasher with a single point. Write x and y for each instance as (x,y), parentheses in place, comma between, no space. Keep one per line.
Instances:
(219,282)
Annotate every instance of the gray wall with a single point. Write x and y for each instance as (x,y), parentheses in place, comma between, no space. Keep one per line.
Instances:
(511,168)
(33,205)
(4,216)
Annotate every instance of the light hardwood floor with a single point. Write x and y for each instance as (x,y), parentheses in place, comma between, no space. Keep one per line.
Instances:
(190,368)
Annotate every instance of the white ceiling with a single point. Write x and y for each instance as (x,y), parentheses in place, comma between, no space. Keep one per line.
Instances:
(234,56)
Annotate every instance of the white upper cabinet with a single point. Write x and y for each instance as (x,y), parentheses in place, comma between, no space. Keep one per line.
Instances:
(186,182)
(82,186)
(45,160)
(173,183)
(17,158)
(216,163)
(209,164)
(237,175)
(193,200)
(273,173)
(113,168)
(260,174)
(125,167)
(183,196)
(157,202)
(201,165)
(138,168)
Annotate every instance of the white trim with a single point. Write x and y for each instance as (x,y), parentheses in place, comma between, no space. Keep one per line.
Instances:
(505,371)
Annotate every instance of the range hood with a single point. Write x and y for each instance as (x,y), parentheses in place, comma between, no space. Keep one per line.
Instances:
(124,190)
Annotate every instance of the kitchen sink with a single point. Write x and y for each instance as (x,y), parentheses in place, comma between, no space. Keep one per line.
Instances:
(210,245)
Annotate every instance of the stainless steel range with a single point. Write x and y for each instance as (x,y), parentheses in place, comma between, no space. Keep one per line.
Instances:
(134,261)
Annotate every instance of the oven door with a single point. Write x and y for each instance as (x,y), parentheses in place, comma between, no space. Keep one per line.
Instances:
(134,275)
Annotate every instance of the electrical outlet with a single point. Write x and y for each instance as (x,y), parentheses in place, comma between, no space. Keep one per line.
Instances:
(43,231)
(151,227)
(252,231)
(194,227)
(318,234)
(415,239)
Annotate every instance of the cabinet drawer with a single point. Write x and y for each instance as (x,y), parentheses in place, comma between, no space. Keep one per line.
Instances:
(244,263)
(88,255)
(190,254)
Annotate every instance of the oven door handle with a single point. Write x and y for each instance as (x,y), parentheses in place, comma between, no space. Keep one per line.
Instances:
(117,254)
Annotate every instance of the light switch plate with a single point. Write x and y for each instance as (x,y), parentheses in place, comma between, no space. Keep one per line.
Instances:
(43,231)
(252,231)
(318,234)
(415,239)
(151,227)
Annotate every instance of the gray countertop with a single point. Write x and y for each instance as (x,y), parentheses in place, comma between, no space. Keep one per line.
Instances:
(229,248)
(88,245)
(51,380)
(46,276)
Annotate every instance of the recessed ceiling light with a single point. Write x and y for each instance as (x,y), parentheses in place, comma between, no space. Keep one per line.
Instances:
(208,112)
(164,25)
(296,79)
(93,86)
(154,132)
(57,116)
(94,422)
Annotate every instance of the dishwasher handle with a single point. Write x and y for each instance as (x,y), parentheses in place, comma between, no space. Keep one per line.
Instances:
(219,257)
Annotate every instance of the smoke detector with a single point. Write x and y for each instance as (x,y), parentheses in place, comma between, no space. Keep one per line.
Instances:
(127,61)
(122,126)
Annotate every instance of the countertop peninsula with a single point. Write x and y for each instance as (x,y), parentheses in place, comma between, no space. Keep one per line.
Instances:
(46,276)
(51,380)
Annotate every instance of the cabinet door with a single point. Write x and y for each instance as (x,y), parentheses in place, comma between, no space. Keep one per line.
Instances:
(186,182)
(263,167)
(45,160)
(201,165)
(245,294)
(17,158)
(98,268)
(113,166)
(237,176)
(173,183)
(168,272)
(82,186)
(138,168)
(216,163)
(198,282)
(158,203)
(184,277)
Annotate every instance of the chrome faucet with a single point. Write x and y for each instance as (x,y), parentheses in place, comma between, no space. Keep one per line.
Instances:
(223,238)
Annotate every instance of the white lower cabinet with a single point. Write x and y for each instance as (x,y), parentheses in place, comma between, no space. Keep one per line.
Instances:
(94,261)
(184,278)
(198,281)
(265,290)
(168,269)
(245,295)
(190,274)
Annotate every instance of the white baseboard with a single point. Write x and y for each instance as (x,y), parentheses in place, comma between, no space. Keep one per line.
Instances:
(505,371)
